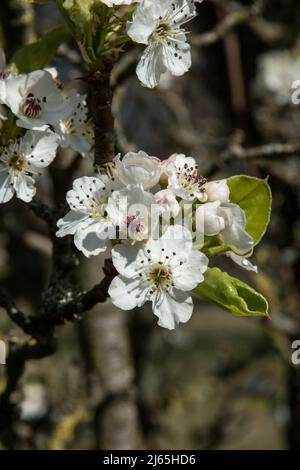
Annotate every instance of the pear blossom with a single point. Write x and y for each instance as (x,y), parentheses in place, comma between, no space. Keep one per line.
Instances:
(167,202)
(162,271)
(209,221)
(75,130)
(159,25)
(184,180)
(22,161)
(132,210)
(138,168)
(88,220)
(35,100)
(227,220)
(217,191)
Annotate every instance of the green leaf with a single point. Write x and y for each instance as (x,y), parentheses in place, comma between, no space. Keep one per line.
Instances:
(38,54)
(231,294)
(254,196)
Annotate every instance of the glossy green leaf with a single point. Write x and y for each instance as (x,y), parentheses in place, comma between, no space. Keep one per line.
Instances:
(38,54)
(231,294)
(253,195)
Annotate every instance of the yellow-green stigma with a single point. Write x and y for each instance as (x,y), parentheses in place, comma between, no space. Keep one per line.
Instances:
(159,276)
(99,209)
(161,32)
(17,162)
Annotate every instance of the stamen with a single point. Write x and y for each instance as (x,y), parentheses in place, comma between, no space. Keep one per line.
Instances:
(31,106)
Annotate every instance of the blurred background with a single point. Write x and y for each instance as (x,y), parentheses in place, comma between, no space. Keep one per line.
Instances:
(117,380)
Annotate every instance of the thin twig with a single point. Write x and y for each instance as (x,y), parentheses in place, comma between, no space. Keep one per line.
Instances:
(231,21)
(274,150)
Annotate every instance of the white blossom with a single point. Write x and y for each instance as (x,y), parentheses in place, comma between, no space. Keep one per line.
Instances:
(131,210)
(75,130)
(227,220)
(183,178)
(22,161)
(167,202)
(88,220)
(217,191)
(138,168)
(35,100)
(159,25)
(163,272)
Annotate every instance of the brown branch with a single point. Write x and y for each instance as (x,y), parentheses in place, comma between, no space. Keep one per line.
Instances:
(85,301)
(101,107)
(25,322)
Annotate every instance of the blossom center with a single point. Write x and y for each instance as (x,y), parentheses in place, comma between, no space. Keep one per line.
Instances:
(69,126)
(31,106)
(159,276)
(189,179)
(135,222)
(161,32)
(17,162)
(98,211)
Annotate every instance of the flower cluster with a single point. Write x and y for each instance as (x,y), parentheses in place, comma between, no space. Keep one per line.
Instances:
(38,117)
(158,217)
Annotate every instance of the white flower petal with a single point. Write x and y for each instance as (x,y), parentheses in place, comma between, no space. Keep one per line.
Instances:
(128,260)
(25,187)
(138,169)
(40,148)
(86,192)
(242,261)
(168,203)
(234,232)
(127,293)
(177,56)
(151,66)
(70,223)
(172,309)
(189,274)
(217,191)
(6,188)
(91,240)
(208,220)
